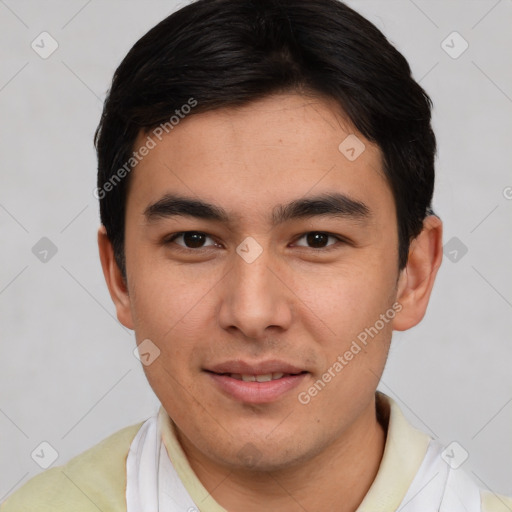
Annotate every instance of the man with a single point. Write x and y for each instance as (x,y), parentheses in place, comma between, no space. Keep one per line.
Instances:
(265,178)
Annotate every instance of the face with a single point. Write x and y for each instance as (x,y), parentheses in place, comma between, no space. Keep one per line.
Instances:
(280,254)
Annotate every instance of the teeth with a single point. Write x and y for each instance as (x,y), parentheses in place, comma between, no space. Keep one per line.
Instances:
(257,378)
(264,378)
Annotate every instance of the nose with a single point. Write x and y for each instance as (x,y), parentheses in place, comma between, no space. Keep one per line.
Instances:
(255,297)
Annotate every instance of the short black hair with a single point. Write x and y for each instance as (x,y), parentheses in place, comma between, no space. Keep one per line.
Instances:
(224,53)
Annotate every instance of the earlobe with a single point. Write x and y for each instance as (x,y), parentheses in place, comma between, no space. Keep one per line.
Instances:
(114,279)
(417,278)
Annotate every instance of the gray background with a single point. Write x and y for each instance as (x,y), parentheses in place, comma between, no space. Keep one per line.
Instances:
(68,374)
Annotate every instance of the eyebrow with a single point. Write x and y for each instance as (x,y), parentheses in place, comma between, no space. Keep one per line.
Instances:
(326,205)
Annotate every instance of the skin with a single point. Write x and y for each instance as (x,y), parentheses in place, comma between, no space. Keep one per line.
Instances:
(298,302)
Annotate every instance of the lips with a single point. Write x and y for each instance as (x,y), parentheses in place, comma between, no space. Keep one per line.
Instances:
(258,382)
(257,368)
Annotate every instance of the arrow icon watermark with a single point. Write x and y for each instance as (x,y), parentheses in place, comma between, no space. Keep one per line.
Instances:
(146,352)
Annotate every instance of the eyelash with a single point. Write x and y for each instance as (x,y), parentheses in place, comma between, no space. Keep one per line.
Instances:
(171,238)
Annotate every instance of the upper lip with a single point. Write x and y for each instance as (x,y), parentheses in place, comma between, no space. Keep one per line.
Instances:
(255,368)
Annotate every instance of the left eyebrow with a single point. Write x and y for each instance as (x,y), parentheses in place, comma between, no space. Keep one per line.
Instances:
(329,205)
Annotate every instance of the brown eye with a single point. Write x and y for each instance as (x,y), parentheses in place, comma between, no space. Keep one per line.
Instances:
(317,239)
(191,239)
(194,239)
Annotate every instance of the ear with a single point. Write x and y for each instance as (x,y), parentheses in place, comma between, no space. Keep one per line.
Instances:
(416,280)
(114,278)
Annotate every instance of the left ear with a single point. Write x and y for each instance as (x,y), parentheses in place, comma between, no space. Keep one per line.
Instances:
(417,278)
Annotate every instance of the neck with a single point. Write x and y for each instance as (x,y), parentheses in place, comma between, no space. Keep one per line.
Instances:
(338,478)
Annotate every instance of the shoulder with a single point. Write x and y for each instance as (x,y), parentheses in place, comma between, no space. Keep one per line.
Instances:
(95,479)
(495,502)
(462,492)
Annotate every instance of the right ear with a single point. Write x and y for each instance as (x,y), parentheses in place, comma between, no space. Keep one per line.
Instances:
(114,278)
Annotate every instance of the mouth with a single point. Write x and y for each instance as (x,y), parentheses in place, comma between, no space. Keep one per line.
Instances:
(256,383)
(265,377)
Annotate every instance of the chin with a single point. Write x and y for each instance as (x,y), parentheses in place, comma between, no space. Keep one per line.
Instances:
(260,455)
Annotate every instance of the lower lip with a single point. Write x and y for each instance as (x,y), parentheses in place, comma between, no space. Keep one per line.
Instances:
(256,392)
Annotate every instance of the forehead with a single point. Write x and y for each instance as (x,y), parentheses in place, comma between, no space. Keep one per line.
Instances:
(264,153)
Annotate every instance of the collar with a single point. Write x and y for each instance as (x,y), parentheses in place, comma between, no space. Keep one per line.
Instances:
(404,452)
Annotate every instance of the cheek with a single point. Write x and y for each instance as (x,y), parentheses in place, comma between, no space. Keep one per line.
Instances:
(356,343)
(344,301)
(175,311)
(165,296)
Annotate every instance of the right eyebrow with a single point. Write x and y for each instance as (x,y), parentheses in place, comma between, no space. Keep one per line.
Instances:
(172,205)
